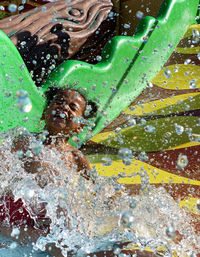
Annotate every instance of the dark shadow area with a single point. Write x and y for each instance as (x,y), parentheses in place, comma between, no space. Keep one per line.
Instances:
(42,58)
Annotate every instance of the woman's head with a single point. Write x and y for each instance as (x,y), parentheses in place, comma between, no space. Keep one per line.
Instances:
(64,109)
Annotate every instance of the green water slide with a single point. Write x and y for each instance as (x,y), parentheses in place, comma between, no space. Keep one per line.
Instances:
(127,64)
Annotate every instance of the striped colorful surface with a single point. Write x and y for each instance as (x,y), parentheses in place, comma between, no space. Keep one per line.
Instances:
(167,116)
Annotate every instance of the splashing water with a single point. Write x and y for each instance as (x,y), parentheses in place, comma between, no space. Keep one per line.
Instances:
(86,217)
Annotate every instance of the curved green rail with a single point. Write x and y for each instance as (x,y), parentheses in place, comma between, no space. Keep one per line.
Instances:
(14,76)
(128,63)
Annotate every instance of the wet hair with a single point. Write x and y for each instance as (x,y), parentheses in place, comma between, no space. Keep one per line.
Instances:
(91,107)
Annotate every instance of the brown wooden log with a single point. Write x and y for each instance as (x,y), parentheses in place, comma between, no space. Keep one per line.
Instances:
(57,31)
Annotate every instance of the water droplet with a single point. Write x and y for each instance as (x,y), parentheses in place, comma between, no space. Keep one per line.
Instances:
(2,8)
(15,232)
(127,161)
(149,85)
(139,14)
(76,140)
(179,129)
(113,89)
(143,156)
(99,58)
(198,205)
(13,245)
(193,254)
(44,8)
(20,8)
(125,153)
(167,73)
(127,218)
(132,204)
(12,8)
(181,162)
(116,250)
(149,129)
(111,15)
(8,93)
(117,130)
(48,56)
(193,83)
(195,36)
(170,45)
(187,61)
(142,122)
(168,134)
(176,69)
(170,232)
(29,193)
(106,161)
(145,39)
(36,148)
(155,51)
(127,26)
(23,102)
(20,154)
(194,137)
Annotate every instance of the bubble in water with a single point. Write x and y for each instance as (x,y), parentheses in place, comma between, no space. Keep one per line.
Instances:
(167,73)
(106,161)
(179,129)
(170,232)
(12,8)
(139,14)
(15,232)
(125,153)
(182,161)
(127,218)
(149,128)
(23,102)
(193,83)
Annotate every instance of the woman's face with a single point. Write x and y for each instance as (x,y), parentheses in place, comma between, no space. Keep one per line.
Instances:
(60,116)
